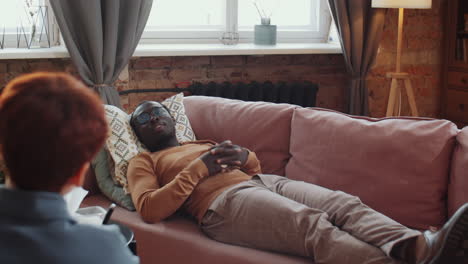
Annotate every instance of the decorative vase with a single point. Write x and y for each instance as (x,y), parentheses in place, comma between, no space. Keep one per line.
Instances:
(229,38)
(265,34)
(34,28)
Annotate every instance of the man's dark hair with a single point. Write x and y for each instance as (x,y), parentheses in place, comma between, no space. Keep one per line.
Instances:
(50,125)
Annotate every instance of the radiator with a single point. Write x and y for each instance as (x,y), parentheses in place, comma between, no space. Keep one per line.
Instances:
(299,93)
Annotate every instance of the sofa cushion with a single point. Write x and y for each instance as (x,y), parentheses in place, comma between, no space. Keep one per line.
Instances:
(398,166)
(261,127)
(179,240)
(458,186)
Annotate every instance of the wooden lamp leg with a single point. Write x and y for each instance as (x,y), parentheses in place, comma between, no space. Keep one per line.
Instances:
(392,97)
(393,105)
(392,108)
(411,99)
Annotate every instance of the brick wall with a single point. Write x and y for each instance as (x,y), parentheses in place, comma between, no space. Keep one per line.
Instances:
(171,72)
(10,69)
(421,58)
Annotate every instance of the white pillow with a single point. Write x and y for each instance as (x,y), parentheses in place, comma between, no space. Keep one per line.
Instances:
(123,144)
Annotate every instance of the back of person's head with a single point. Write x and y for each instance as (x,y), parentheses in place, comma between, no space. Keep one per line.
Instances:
(51,125)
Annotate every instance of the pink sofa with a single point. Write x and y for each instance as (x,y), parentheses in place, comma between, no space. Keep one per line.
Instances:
(411,169)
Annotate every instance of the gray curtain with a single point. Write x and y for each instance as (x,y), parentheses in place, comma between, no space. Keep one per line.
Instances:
(101,36)
(360,27)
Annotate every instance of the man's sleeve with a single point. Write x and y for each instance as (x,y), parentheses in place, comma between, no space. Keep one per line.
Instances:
(252,165)
(153,201)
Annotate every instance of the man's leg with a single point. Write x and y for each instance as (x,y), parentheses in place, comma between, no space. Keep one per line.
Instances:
(345,211)
(253,216)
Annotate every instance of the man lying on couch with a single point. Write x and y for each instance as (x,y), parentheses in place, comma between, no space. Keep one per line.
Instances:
(221,185)
(51,126)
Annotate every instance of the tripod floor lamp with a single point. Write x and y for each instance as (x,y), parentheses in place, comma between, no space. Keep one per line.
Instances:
(393,104)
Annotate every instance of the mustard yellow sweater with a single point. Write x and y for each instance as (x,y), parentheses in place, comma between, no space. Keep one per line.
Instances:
(162,182)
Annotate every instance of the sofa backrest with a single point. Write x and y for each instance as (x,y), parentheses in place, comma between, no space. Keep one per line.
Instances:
(458,186)
(398,166)
(261,127)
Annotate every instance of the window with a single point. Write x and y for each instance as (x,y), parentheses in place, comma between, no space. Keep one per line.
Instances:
(17,18)
(9,15)
(201,21)
(196,20)
(204,21)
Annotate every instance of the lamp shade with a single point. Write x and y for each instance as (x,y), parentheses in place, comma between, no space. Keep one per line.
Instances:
(402,3)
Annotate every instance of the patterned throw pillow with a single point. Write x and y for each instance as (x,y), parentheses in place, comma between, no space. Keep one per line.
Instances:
(123,144)
(184,131)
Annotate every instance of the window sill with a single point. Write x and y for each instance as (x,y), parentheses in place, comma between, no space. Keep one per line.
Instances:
(149,50)
(40,53)
(152,50)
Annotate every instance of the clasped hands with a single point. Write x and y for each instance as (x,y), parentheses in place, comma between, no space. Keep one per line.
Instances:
(223,157)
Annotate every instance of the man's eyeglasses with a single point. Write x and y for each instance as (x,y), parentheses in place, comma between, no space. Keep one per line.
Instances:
(145,117)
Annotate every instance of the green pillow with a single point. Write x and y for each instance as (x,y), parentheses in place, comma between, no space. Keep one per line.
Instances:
(105,183)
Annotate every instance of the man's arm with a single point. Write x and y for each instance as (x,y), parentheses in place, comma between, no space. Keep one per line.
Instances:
(153,202)
(235,156)
(252,165)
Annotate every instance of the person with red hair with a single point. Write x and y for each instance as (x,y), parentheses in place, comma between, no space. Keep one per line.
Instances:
(51,126)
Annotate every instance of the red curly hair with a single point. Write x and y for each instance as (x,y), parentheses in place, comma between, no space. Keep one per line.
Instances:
(51,124)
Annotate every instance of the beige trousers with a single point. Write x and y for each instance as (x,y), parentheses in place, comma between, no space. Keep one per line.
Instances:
(274,213)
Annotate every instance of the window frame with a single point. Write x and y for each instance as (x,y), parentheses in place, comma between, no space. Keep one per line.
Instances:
(211,34)
(208,36)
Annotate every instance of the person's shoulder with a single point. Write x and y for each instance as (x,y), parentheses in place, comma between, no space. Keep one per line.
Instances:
(98,232)
(96,228)
(144,154)
(143,157)
(75,244)
(105,239)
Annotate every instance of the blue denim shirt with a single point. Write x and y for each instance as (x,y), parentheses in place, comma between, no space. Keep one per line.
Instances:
(35,227)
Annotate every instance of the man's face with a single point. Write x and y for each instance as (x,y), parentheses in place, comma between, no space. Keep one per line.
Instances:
(153,124)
